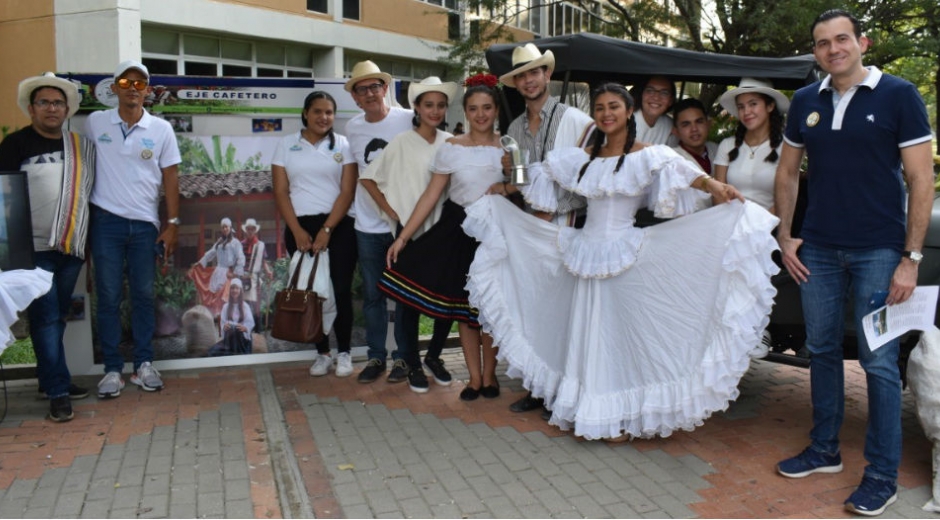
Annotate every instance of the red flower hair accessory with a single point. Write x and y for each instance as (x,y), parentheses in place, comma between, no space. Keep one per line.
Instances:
(488,80)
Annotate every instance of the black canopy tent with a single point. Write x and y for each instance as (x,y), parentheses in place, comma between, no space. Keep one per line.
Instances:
(592,58)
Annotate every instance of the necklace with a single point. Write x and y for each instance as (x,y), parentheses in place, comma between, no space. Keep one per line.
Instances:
(754,149)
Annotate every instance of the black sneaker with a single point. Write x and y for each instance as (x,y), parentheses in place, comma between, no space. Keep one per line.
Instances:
(372,371)
(436,366)
(418,381)
(60,409)
(75,392)
(399,372)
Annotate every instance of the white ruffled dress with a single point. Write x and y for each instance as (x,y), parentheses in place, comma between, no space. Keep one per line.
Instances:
(622,329)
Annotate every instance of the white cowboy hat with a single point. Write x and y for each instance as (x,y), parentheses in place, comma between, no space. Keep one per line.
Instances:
(127,65)
(431,84)
(49,79)
(251,223)
(366,70)
(755,86)
(527,57)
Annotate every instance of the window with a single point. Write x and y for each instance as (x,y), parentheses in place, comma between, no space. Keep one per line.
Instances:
(319,6)
(450,4)
(168,52)
(351,9)
(453,26)
(565,18)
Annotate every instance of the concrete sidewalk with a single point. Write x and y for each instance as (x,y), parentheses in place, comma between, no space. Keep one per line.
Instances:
(272,442)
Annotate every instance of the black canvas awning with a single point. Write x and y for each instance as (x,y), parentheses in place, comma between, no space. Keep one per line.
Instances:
(592,58)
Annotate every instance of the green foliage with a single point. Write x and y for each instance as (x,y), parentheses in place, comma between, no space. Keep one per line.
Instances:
(196,159)
(19,353)
(174,289)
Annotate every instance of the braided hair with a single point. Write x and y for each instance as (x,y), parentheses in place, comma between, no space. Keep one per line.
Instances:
(776,133)
(308,101)
(598,137)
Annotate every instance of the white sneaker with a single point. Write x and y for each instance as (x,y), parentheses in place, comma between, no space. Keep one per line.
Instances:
(321,365)
(344,366)
(761,351)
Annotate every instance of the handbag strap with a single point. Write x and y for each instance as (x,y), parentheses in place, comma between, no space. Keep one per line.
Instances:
(313,271)
(294,277)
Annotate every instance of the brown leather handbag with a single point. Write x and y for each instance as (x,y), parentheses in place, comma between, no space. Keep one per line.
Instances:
(298,314)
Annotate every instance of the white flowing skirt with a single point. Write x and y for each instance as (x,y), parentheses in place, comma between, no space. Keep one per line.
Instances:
(655,349)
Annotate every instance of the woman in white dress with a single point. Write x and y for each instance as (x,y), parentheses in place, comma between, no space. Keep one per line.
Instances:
(429,274)
(235,324)
(624,331)
(748,161)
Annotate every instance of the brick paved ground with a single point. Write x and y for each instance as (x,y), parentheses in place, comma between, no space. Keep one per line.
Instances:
(271,442)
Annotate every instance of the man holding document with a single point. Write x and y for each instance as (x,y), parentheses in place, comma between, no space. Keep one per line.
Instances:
(857,127)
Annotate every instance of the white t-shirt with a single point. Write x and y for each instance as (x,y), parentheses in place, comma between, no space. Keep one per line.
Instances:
(659,133)
(753,177)
(314,171)
(366,141)
(129,163)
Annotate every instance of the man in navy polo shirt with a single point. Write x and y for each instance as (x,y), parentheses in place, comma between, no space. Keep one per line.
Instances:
(858,127)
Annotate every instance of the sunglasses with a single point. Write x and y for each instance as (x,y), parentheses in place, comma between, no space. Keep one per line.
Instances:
(139,84)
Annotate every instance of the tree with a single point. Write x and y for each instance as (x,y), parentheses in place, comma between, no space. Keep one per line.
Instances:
(906,33)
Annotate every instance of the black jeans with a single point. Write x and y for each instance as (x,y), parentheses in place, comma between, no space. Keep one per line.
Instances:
(343,257)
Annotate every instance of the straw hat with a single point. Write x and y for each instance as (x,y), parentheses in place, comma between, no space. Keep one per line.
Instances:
(127,65)
(251,223)
(431,84)
(753,86)
(49,79)
(366,70)
(527,57)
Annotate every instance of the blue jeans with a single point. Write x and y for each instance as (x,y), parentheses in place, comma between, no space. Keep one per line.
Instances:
(372,248)
(122,246)
(834,276)
(47,321)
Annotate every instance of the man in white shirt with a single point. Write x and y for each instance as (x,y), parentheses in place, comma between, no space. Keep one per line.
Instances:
(137,155)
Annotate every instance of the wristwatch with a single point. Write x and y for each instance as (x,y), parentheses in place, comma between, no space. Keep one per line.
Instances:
(914,256)
(175,221)
(327,229)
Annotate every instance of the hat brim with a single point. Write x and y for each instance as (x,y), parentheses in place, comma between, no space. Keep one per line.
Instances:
(246,226)
(28,85)
(727,100)
(449,89)
(546,60)
(387,78)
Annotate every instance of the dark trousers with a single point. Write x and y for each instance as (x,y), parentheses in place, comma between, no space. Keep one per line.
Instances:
(343,257)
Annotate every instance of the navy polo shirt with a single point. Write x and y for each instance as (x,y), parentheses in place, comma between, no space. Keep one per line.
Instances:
(856,192)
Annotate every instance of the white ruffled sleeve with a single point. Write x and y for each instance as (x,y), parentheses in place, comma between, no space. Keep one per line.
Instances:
(445,160)
(671,194)
(559,170)
(540,192)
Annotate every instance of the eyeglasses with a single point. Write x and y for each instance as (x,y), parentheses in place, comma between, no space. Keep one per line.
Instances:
(651,91)
(55,105)
(374,88)
(139,84)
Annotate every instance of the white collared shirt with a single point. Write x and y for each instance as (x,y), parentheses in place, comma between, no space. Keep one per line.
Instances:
(129,163)
(314,171)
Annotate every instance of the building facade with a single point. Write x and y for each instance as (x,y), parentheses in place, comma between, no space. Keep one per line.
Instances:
(247,38)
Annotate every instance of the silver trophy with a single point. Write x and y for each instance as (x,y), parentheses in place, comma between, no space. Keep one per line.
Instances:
(519,175)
